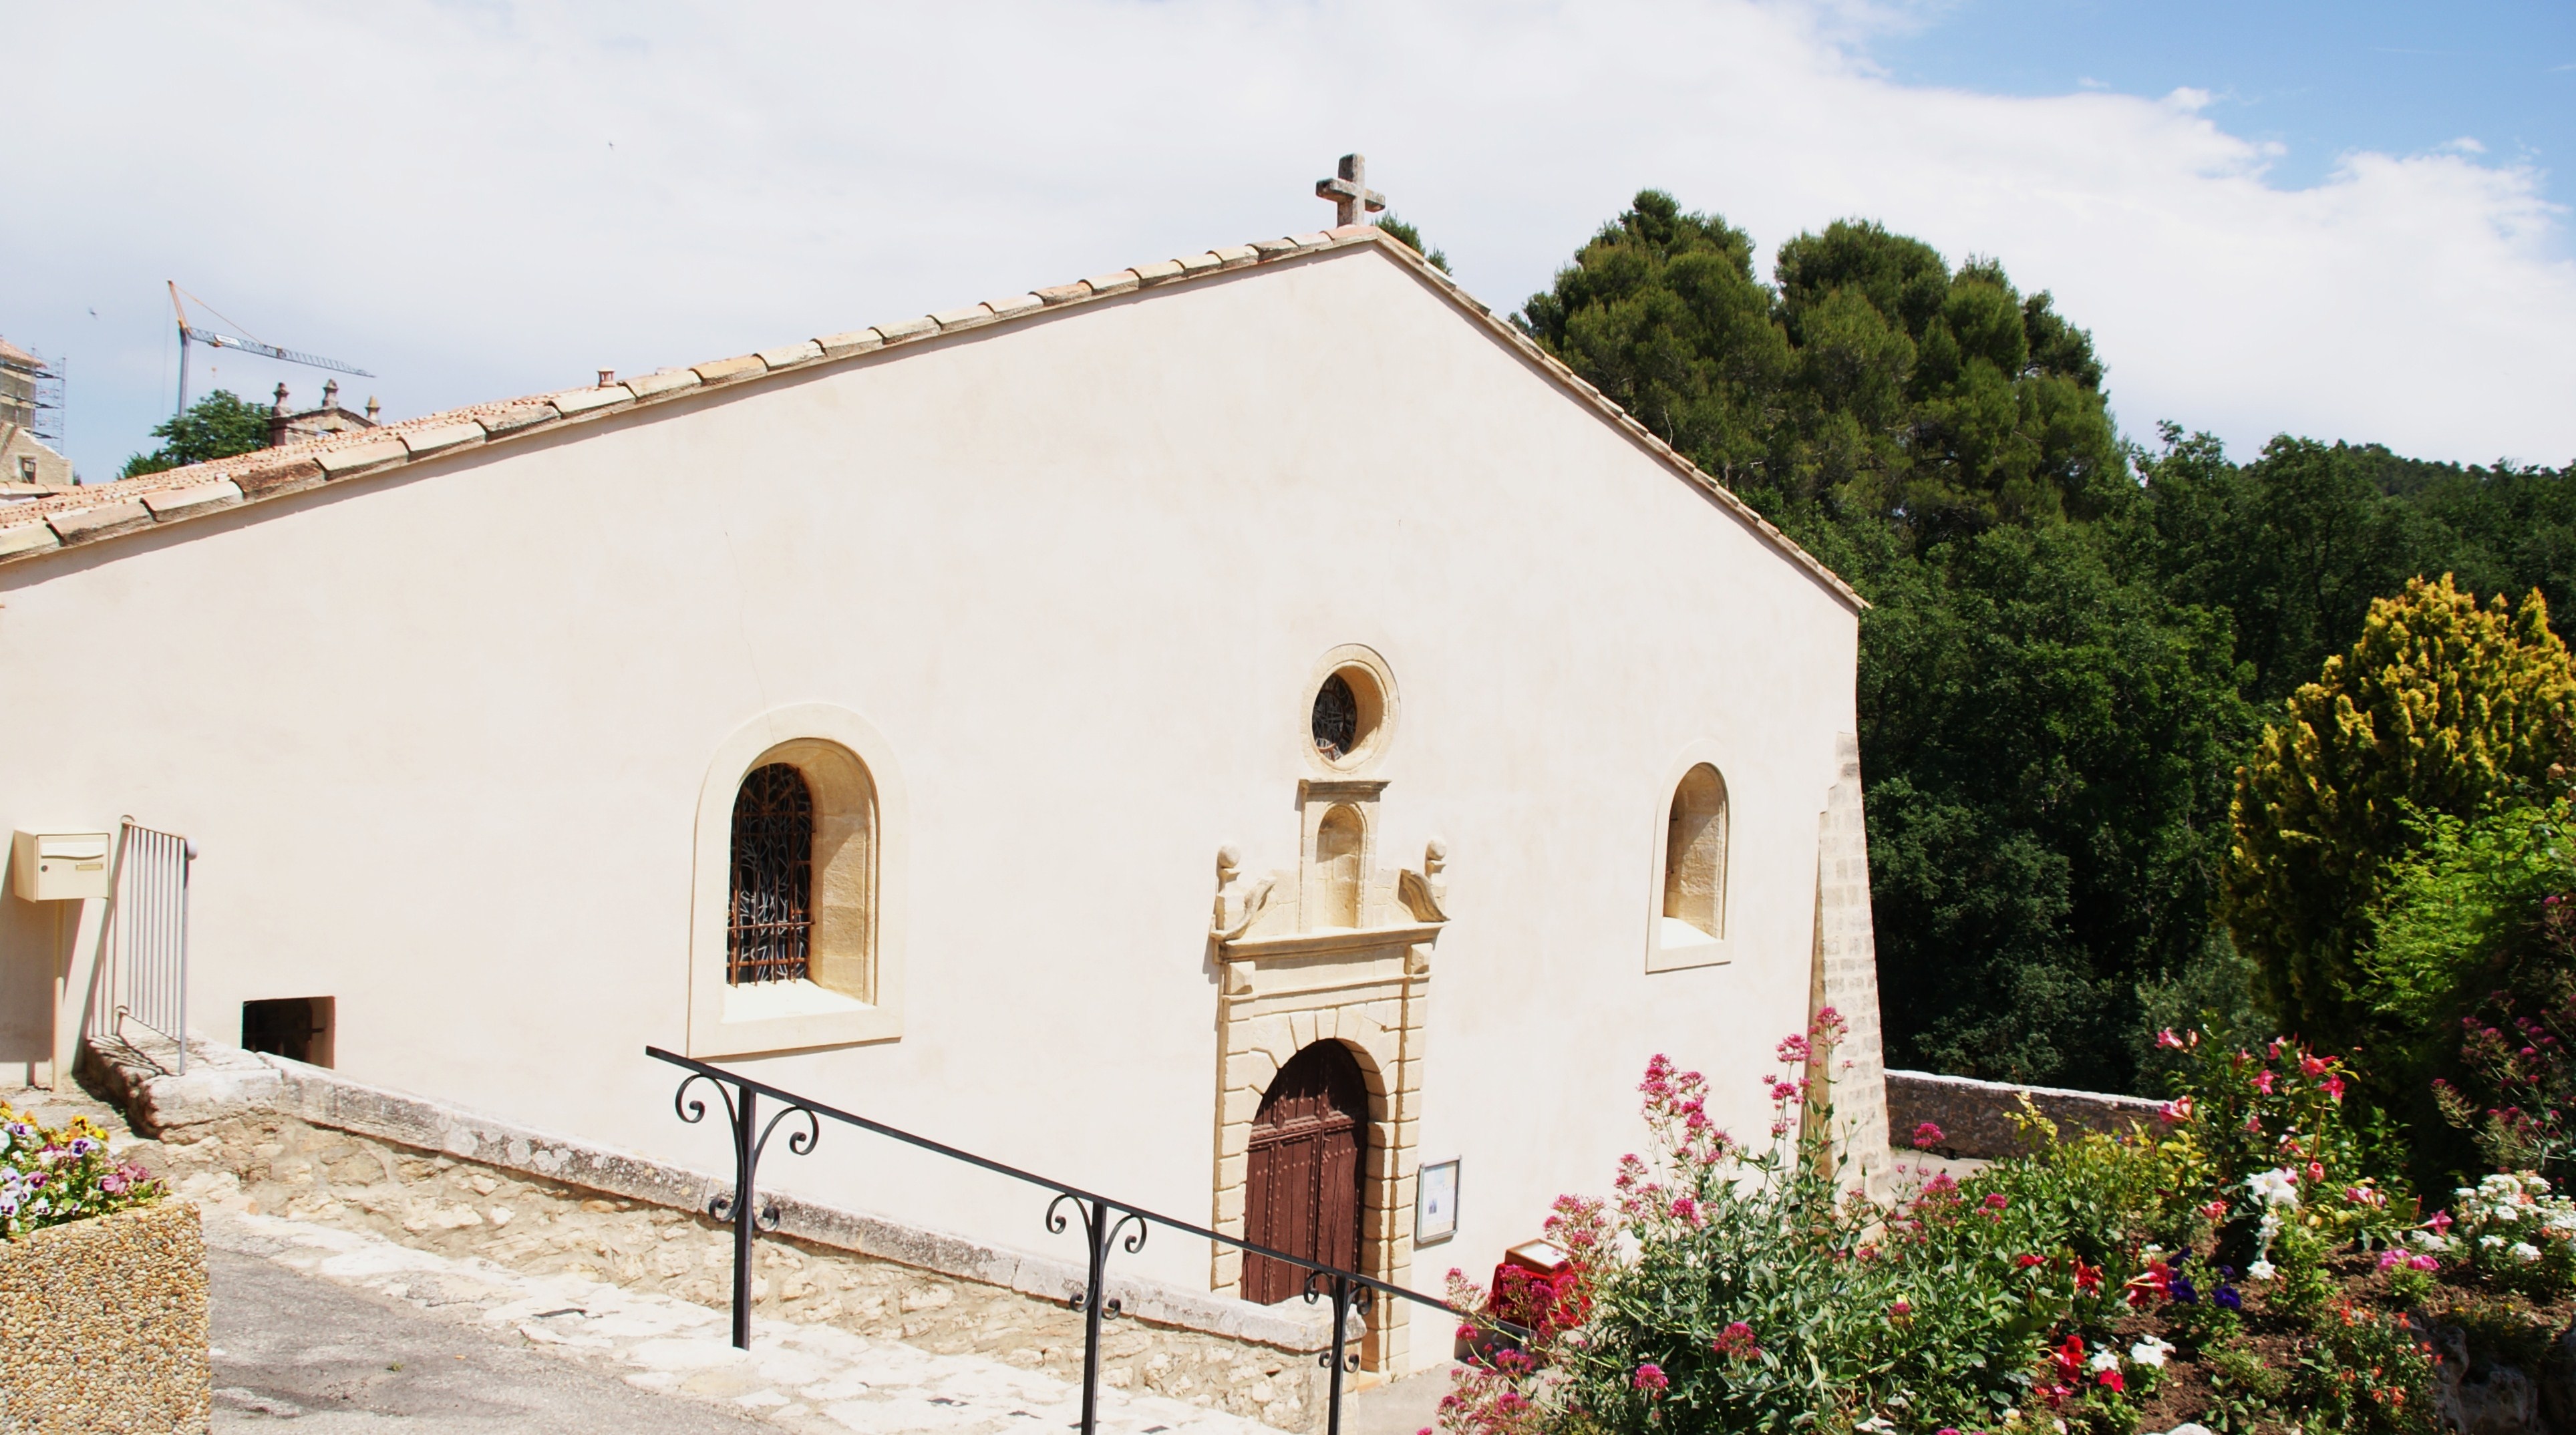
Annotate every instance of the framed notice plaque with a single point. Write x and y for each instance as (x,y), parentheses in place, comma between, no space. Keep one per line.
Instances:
(1435,1203)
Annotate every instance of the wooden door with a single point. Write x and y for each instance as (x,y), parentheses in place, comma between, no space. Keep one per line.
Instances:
(1309,1157)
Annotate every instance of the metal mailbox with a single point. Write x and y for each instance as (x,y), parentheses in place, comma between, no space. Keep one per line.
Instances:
(58,866)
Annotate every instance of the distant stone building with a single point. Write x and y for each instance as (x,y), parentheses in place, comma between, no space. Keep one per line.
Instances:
(27,467)
(285,426)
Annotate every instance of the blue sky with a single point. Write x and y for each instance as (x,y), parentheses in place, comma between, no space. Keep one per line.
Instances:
(477,199)
(2319,78)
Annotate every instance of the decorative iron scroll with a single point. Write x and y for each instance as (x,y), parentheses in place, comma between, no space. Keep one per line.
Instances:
(769,930)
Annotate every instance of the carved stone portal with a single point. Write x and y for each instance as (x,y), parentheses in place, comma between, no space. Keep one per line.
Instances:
(1334,949)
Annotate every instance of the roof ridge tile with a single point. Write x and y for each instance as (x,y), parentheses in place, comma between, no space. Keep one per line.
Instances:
(37,525)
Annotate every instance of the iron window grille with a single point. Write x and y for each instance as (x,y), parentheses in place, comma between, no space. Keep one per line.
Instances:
(769,930)
(1337,717)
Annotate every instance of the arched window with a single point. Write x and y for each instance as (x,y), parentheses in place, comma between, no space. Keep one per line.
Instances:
(1337,866)
(1695,856)
(769,929)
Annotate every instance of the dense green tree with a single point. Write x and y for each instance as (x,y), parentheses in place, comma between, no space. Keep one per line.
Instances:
(2048,744)
(1412,239)
(2070,638)
(2045,739)
(216,426)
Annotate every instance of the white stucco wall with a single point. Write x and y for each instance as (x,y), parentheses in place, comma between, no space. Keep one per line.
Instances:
(441,735)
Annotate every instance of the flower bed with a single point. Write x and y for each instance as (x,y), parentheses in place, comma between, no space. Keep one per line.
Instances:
(102,1290)
(2242,1262)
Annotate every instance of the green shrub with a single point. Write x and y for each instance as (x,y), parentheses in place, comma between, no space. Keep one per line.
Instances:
(2443,706)
(1726,1288)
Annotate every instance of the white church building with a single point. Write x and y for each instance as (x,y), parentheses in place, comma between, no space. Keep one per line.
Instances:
(1236,733)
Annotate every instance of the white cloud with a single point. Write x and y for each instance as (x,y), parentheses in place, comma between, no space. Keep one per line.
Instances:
(477,200)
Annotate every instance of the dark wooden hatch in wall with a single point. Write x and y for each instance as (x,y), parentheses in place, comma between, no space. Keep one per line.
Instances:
(1309,1156)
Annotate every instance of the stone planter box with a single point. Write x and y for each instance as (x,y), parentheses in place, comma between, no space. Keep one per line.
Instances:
(103,1325)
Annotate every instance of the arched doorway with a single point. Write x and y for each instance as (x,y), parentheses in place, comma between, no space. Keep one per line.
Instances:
(1309,1156)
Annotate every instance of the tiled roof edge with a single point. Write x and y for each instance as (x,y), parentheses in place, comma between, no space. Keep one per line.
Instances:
(153,501)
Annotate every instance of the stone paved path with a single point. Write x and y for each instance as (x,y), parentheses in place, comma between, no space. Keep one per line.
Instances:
(803,1377)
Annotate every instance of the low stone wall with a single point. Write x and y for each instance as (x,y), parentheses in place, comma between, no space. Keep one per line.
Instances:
(1976,1117)
(103,1325)
(287,1139)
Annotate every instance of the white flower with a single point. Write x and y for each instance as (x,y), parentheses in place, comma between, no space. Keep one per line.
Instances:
(2491,1242)
(2259,1271)
(2276,1187)
(1876,1425)
(2525,1252)
(2151,1352)
(2105,1360)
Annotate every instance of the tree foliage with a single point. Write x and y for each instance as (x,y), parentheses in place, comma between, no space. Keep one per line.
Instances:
(2441,707)
(1411,238)
(2070,636)
(219,425)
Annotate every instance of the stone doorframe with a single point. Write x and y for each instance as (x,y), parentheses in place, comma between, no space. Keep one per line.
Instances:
(1366,989)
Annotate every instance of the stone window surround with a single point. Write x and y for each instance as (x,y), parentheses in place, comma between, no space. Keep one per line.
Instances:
(1705,951)
(1373,683)
(864,999)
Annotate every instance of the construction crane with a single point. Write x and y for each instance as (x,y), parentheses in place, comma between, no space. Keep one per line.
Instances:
(191,334)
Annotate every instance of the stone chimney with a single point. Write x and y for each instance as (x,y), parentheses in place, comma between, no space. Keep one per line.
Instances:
(371,410)
(330,395)
(277,418)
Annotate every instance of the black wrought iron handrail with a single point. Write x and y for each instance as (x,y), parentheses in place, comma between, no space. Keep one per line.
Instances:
(1105,1222)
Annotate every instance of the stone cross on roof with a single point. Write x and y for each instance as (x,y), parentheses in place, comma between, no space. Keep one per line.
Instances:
(1349,192)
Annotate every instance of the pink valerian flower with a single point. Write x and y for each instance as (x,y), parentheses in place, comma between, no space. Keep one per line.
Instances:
(1650,1378)
(1996,1201)
(1793,1050)
(1928,1135)
(1659,1076)
(1686,1209)
(1900,1310)
(1736,1342)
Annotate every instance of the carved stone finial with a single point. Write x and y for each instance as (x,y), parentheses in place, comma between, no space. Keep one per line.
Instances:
(1435,857)
(1237,907)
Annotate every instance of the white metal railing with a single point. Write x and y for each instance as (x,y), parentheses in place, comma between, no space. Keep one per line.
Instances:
(147,967)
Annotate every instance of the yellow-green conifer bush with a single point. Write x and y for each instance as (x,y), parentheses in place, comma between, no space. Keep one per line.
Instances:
(2443,706)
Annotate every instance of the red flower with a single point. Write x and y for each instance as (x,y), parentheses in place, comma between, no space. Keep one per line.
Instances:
(2026,1262)
(2088,1279)
(1997,1201)
(1927,1135)
(1736,1342)
(2111,1380)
